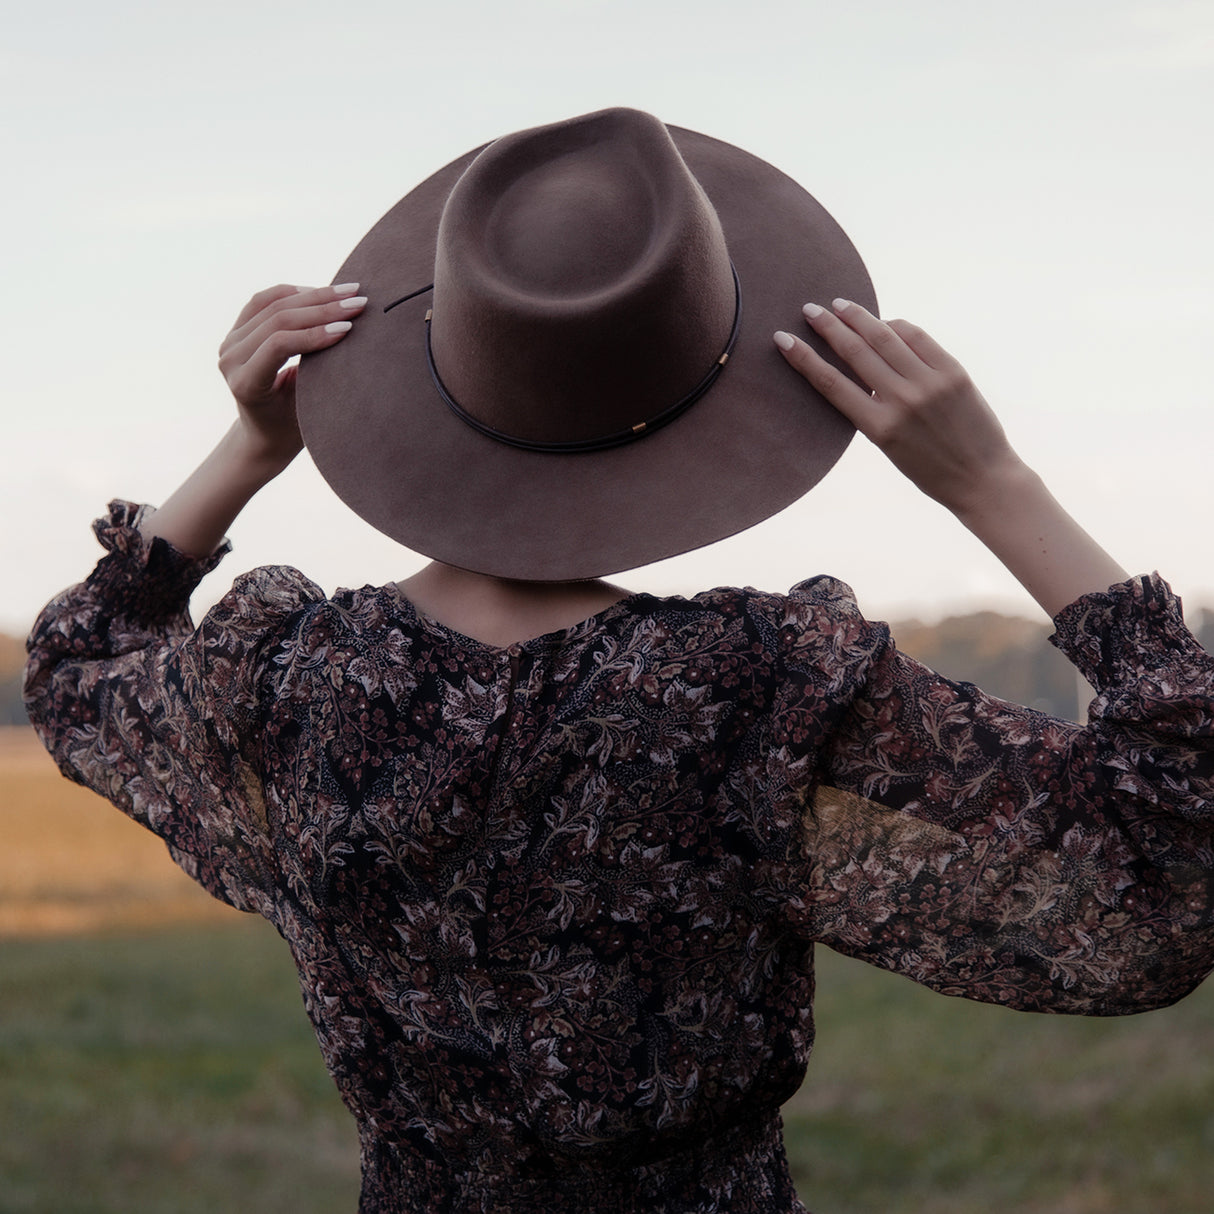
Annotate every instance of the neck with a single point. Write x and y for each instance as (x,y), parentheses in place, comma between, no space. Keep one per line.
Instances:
(502,611)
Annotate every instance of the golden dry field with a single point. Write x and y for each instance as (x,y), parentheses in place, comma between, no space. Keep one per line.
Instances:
(72,864)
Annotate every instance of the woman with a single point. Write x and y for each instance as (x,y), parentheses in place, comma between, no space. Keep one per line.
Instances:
(552,857)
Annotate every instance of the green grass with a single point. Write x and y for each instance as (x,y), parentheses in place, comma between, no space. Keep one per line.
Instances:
(915,1102)
(175,1071)
(170,1071)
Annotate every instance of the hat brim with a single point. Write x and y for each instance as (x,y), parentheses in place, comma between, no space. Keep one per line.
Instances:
(395,453)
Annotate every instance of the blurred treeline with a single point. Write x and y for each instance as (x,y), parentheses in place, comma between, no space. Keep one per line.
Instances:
(12,661)
(1012,657)
(1007,655)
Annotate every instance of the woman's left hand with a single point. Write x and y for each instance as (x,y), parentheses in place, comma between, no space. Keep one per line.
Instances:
(274,326)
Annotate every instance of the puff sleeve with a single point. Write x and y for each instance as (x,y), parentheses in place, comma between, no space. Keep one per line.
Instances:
(161,718)
(990,851)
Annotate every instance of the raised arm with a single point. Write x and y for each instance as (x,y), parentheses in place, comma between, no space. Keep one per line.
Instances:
(274,325)
(927,416)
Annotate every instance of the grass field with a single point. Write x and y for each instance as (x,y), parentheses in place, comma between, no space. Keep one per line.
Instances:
(154,1056)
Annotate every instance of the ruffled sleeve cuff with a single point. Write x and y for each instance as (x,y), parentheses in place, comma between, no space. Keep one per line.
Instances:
(151,580)
(1132,629)
(1155,686)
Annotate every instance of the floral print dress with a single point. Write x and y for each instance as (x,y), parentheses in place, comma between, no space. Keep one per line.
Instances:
(553,906)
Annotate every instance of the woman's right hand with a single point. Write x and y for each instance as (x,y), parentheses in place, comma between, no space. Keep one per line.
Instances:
(273,327)
(923,412)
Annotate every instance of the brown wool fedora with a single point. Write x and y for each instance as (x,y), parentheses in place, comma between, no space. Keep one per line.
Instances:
(566,367)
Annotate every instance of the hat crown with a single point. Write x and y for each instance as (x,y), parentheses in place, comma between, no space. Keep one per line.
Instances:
(582,282)
(569,228)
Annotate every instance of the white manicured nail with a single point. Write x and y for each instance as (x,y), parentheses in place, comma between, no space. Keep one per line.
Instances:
(811,310)
(840,304)
(784,340)
(346,288)
(357,302)
(338,326)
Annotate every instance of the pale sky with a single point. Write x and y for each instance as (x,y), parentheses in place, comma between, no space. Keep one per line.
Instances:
(1032,182)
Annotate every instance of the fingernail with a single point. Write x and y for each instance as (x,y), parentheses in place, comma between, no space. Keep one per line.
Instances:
(811,310)
(357,302)
(338,326)
(840,304)
(346,288)
(784,340)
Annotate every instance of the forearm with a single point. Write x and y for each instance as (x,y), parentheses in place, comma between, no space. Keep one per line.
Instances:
(198,515)
(1041,545)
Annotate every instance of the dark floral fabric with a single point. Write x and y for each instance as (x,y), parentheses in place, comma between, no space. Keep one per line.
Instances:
(554,906)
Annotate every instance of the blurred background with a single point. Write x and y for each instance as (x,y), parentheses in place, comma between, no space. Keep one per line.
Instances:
(1031,182)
